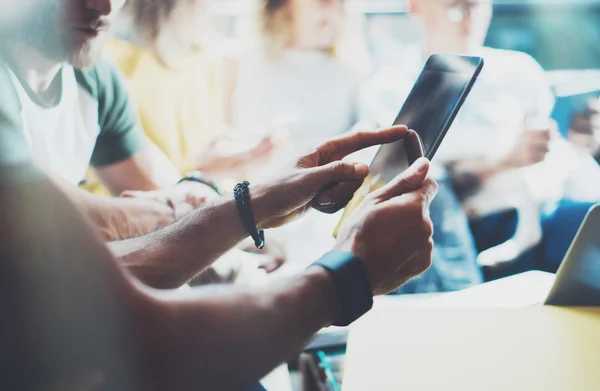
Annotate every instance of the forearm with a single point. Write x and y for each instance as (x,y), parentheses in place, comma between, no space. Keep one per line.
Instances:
(226,331)
(173,255)
(148,170)
(120,218)
(214,339)
(65,303)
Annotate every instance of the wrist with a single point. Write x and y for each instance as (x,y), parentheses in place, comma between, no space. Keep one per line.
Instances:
(261,206)
(503,165)
(349,277)
(328,298)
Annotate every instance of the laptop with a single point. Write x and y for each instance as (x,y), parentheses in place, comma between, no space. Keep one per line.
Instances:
(577,282)
(578,278)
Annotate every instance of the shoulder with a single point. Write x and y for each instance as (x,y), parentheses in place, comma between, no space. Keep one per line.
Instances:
(120,135)
(514,70)
(521,75)
(510,61)
(106,85)
(100,80)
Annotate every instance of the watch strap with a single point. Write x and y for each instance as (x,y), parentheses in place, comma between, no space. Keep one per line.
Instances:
(350,278)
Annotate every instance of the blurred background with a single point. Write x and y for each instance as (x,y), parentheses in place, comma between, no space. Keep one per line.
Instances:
(562,35)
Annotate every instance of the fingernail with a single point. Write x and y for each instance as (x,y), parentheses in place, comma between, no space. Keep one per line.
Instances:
(361,170)
(324,200)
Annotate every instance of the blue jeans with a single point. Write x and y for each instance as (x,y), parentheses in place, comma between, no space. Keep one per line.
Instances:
(454,265)
(560,224)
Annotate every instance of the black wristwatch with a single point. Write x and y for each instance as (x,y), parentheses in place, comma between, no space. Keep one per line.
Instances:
(350,278)
(197,176)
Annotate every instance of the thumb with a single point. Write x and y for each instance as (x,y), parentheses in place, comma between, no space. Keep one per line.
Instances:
(338,171)
(410,180)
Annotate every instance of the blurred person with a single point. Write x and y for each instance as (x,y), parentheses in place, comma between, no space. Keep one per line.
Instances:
(76,112)
(301,73)
(166,50)
(173,76)
(295,71)
(517,179)
(584,130)
(72,319)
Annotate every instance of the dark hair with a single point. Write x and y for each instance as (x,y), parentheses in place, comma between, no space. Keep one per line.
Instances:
(274,4)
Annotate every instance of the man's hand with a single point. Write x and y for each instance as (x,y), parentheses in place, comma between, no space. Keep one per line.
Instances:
(391,230)
(273,255)
(228,154)
(320,179)
(584,131)
(182,197)
(532,146)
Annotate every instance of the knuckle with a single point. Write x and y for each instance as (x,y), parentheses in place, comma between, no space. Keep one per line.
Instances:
(430,189)
(408,182)
(304,162)
(321,152)
(427,228)
(342,168)
(358,133)
(360,137)
(337,165)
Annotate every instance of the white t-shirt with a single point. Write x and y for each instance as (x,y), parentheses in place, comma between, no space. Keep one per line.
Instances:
(93,122)
(511,88)
(309,93)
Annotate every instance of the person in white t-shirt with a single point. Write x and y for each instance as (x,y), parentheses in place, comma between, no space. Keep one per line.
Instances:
(300,71)
(518,180)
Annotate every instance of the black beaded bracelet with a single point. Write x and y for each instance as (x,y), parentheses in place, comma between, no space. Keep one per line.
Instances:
(241,195)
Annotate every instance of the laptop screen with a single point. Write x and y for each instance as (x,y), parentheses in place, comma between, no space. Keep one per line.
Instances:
(578,278)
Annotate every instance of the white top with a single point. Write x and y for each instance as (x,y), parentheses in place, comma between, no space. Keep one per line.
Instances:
(61,138)
(511,87)
(309,93)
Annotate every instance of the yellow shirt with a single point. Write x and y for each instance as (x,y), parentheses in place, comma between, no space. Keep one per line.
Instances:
(179,105)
